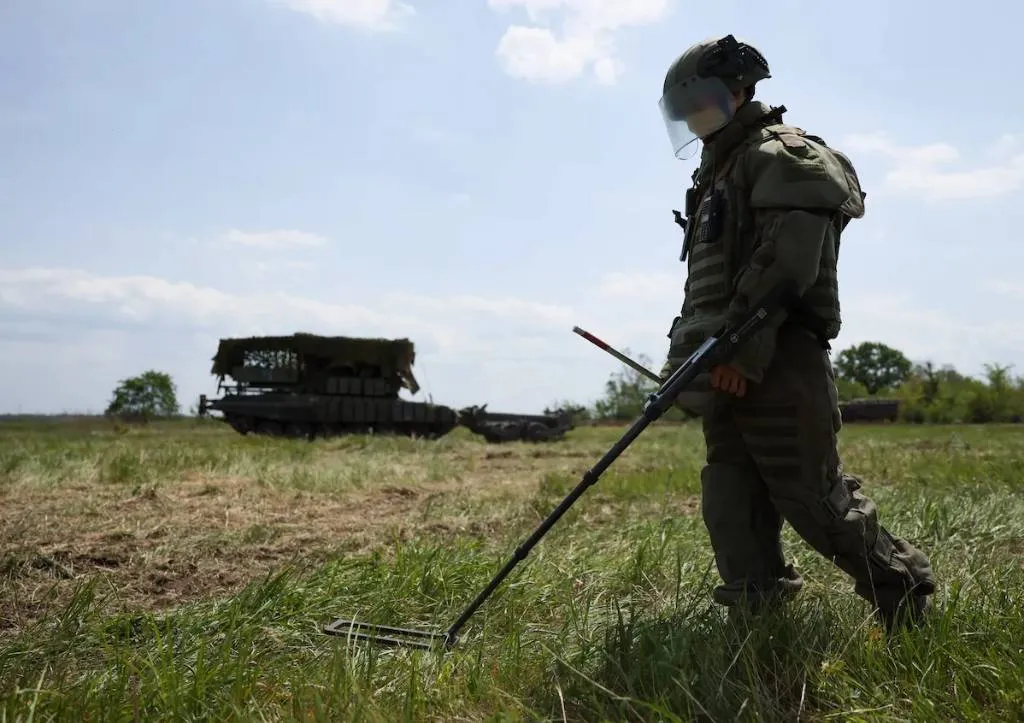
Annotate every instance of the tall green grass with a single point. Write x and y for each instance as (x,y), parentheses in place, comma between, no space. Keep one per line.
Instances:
(608,619)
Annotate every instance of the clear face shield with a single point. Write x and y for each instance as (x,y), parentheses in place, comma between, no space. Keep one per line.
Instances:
(695,108)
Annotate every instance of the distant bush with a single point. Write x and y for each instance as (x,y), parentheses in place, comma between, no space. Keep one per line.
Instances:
(151,395)
(945,396)
(927,394)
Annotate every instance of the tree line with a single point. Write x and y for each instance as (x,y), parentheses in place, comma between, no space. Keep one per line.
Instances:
(927,393)
(872,370)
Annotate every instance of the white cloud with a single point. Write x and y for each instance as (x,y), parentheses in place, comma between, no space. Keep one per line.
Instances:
(517,354)
(645,302)
(378,15)
(900,320)
(1006,144)
(538,53)
(925,170)
(1008,287)
(151,299)
(67,335)
(281,238)
(261,269)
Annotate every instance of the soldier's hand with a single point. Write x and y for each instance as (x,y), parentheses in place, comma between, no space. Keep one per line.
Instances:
(727,379)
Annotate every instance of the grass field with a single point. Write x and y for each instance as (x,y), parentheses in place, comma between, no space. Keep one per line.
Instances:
(184,572)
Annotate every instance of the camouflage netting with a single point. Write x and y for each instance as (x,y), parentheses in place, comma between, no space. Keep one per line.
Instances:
(389,354)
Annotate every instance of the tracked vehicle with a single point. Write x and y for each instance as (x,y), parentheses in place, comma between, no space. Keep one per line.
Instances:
(870,410)
(500,427)
(307,386)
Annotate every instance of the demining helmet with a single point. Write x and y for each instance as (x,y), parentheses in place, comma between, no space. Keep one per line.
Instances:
(697,98)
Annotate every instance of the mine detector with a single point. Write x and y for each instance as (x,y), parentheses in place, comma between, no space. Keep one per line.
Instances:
(307,386)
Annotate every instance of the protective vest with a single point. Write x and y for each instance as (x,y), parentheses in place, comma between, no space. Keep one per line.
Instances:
(721,229)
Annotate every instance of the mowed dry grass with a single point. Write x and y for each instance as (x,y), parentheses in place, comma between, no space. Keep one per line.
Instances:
(182,572)
(170,513)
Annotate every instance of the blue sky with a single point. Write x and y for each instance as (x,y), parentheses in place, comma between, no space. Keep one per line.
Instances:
(476,176)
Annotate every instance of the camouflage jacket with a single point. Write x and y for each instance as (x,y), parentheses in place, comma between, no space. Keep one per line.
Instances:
(768,202)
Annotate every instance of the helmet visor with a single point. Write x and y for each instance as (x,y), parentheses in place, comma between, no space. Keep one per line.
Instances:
(692,109)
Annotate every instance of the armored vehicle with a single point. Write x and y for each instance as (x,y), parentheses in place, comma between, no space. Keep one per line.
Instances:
(309,386)
(870,410)
(306,385)
(499,427)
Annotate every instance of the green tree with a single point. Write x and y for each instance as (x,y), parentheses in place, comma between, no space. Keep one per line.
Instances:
(994,401)
(151,394)
(945,396)
(578,412)
(874,366)
(849,390)
(625,392)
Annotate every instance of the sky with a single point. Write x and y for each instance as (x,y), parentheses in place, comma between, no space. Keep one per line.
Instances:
(478,176)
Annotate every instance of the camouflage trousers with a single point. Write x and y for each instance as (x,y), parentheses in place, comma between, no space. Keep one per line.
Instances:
(771,457)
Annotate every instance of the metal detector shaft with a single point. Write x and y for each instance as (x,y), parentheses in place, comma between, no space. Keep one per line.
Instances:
(617,354)
(718,348)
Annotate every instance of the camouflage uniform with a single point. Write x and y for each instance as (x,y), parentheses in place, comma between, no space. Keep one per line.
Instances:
(770,201)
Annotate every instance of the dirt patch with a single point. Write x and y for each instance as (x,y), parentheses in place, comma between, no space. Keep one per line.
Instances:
(200,535)
(165,539)
(179,542)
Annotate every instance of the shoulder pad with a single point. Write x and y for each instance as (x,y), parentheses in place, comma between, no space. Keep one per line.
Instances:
(791,169)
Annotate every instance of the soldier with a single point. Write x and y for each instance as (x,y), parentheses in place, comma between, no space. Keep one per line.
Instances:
(770,201)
